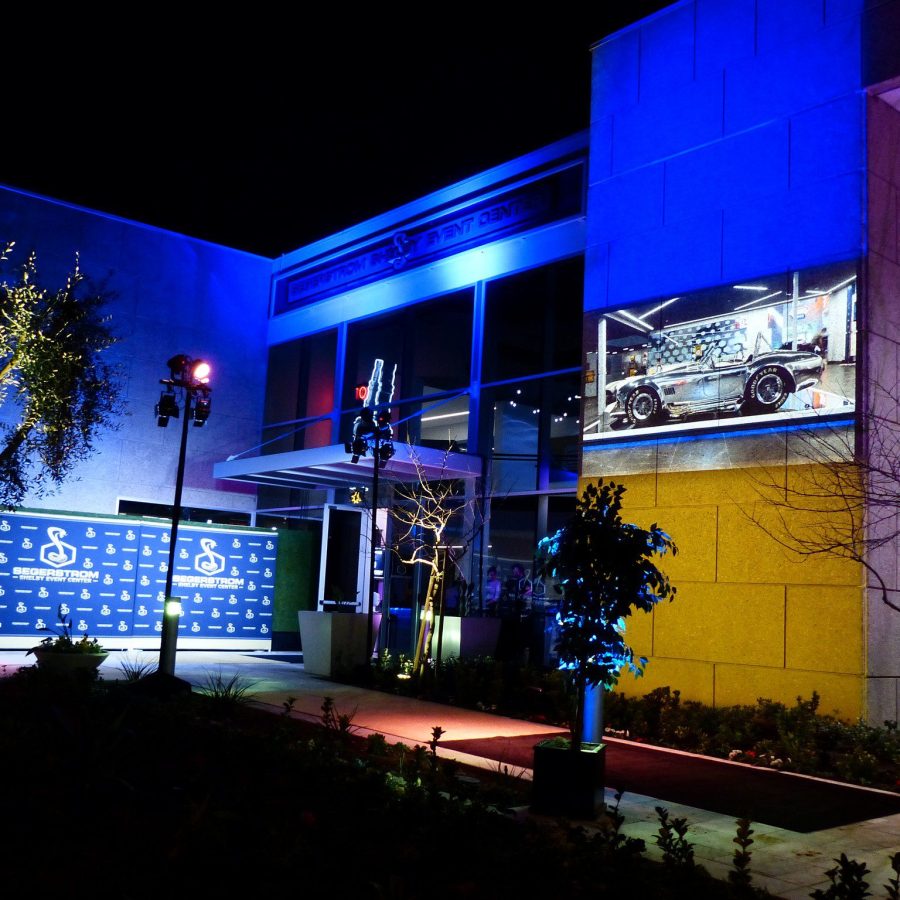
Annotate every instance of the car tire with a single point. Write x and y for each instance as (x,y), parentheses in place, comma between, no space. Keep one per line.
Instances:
(766,390)
(643,407)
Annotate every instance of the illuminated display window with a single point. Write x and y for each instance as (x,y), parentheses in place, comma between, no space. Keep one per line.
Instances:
(769,350)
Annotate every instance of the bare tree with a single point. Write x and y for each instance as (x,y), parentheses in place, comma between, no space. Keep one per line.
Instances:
(842,496)
(424,511)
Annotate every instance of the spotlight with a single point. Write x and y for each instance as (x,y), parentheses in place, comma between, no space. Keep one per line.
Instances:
(200,371)
(201,411)
(385,452)
(177,365)
(166,408)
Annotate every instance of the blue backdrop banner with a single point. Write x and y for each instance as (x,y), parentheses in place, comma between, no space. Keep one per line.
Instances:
(109,577)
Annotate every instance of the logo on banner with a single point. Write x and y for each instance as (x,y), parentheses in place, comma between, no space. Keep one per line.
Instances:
(56,558)
(57,553)
(208,562)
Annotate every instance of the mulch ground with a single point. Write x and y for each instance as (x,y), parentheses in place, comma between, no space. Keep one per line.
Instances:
(777,798)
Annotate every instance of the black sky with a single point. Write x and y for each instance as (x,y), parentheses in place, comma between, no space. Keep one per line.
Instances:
(263,137)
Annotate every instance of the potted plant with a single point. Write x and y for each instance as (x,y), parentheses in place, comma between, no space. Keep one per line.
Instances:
(602,568)
(63,653)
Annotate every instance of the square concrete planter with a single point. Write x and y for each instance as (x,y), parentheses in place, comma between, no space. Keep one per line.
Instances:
(566,783)
(335,642)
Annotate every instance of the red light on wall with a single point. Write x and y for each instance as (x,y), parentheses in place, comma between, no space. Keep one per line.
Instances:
(362,391)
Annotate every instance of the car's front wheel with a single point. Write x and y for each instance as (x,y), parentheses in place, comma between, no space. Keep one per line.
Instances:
(643,407)
(766,391)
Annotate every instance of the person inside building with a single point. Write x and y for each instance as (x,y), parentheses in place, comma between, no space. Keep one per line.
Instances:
(518,589)
(776,334)
(492,591)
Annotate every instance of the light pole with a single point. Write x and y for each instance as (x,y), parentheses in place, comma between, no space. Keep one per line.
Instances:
(372,433)
(192,377)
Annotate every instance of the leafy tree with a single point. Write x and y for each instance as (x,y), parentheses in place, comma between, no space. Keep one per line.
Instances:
(57,393)
(603,568)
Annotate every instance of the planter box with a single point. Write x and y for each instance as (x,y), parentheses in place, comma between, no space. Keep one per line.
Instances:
(465,637)
(68,662)
(335,641)
(566,783)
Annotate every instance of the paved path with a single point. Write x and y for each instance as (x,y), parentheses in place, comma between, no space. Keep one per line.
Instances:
(791,865)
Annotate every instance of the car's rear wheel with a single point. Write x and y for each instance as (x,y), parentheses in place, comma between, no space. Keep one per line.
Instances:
(643,407)
(766,390)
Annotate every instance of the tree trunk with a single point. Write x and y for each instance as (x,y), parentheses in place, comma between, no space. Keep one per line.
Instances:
(434,586)
(14,443)
(423,643)
(578,715)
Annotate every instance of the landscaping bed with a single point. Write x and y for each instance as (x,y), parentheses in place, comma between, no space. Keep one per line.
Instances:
(133,796)
(799,738)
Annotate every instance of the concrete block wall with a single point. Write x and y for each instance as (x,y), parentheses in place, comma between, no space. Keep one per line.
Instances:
(727,142)
(169,294)
(750,619)
(882,346)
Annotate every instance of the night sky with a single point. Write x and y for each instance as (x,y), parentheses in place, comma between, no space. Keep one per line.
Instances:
(263,137)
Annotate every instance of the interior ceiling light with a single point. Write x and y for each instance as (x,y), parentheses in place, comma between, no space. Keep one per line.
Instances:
(661,306)
(750,287)
(844,283)
(636,319)
(621,321)
(455,415)
(758,300)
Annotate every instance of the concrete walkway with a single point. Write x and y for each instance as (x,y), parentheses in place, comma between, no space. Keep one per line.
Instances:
(789,864)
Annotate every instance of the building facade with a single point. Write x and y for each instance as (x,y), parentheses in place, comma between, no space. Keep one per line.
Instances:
(683,299)
(740,277)
(459,316)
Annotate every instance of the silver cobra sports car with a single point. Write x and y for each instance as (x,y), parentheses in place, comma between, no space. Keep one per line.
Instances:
(758,384)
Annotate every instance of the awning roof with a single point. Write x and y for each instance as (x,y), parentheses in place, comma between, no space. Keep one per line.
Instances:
(330,467)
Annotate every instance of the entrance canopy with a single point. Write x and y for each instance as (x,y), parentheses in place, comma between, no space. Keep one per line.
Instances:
(330,467)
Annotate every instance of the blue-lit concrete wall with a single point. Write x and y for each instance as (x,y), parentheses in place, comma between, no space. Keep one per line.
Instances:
(170,294)
(727,142)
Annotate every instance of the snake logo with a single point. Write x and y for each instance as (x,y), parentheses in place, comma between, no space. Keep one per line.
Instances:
(401,250)
(208,562)
(57,553)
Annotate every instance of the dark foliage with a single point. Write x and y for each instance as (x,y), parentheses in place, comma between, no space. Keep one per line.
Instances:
(57,390)
(181,796)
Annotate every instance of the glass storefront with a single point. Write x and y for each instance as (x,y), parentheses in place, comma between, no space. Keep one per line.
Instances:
(419,360)
(300,388)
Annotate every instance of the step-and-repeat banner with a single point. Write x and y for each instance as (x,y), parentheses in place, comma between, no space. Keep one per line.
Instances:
(109,578)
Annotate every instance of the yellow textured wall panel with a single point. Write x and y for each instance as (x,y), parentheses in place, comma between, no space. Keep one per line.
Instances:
(825,487)
(639,633)
(841,695)
(718,486)
(824,629)
(722,623)
(694,531)
(751,618)
(693,679)
(748,554)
